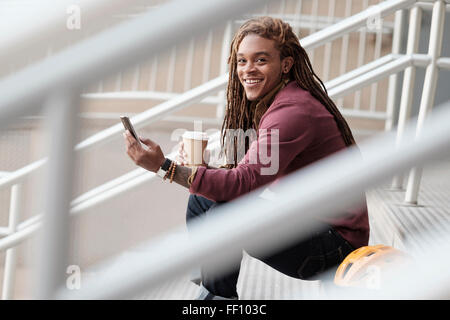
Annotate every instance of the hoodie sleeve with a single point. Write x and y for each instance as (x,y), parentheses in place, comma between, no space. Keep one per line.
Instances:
(285,131)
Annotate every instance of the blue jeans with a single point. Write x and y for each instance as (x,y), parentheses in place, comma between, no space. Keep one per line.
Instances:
(306,259)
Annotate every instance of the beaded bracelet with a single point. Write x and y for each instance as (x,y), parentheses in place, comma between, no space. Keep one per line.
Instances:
(173,172)
(169,170)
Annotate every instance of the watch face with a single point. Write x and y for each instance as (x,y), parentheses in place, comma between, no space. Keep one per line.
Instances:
(161,173)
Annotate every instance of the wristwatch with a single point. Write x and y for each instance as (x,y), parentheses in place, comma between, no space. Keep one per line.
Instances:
(163,169)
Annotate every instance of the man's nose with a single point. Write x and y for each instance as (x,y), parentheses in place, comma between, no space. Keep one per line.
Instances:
(250,67)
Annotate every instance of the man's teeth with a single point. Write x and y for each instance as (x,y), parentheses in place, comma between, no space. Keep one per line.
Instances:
(252,81)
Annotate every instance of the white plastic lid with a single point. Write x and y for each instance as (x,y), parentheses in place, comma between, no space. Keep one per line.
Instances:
(195,135)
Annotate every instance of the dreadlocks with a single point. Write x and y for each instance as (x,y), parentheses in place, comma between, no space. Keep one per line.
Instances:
(238,114)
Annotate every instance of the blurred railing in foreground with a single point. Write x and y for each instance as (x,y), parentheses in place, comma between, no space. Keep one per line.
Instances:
(57,91)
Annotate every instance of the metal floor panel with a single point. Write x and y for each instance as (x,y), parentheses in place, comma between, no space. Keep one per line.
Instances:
(409,227)
(257,281)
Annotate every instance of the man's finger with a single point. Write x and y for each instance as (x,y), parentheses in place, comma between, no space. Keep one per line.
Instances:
(129,136)
(127,139)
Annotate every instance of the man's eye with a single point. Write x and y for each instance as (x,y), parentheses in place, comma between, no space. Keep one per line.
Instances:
(241,60)
(261,60)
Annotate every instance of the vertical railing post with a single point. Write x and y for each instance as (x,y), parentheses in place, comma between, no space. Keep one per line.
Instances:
(15,212)
(409,76)
(153,74)
(313,26)
(62,110)
(392,90)
(226,43)
(297,14)
(344,49)
(189,65)
(207,56)
(361,56)
(328,45)
(171,69)
(429,91)
(376,55)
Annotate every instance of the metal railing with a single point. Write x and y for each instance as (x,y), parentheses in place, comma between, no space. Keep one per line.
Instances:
(20,94)
(261,226)
(300,18)
(337,87)
(391,65)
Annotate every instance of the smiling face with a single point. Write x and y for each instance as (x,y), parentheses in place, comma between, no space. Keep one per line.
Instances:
(259,66)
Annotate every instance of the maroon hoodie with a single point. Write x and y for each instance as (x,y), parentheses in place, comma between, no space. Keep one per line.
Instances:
(307,132)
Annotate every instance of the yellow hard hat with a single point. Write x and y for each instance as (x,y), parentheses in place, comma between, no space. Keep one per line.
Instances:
(355,269)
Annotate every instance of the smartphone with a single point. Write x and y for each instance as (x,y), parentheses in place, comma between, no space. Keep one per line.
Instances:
(128,126)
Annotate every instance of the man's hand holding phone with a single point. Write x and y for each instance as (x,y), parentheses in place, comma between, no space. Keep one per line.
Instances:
(129,127)
(150,159)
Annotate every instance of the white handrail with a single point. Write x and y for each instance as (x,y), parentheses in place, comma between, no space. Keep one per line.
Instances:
(9,99)
(263,226)
(137,176)
(345,26)
(142,95)
(134,178)
(16,204)
(405,106)
(102,55)
(151,115)
(444,63)
(54,240)
(359,71)
(393,79)
(31,29)
(308,21)
(389,68)
(91,198)
(4,173)
(429,90)
(353,23)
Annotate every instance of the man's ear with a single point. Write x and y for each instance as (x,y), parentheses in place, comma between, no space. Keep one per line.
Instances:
(286,64)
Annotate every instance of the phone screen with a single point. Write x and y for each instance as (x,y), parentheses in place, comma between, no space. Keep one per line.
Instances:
(128,126)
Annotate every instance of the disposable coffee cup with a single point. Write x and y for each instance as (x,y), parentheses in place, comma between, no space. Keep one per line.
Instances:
(195,143)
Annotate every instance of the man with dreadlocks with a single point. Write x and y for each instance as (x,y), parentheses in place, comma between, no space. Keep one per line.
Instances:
(272,88)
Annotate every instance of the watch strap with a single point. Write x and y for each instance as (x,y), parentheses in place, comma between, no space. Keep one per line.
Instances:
(165,166)
(163,169)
